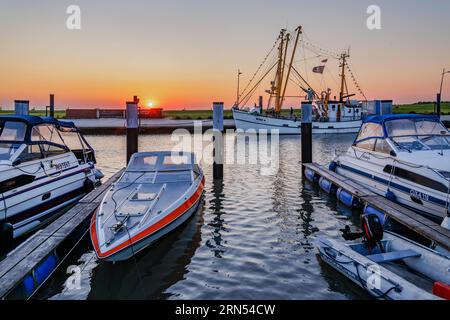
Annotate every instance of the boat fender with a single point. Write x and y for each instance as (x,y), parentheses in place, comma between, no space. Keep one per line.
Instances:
(98,174)
(311,176)
(88,185)
(441,290)
(6,237)
(40,274)
(327,186)
(333,166)
(391,196)
(347,198)
(371,210)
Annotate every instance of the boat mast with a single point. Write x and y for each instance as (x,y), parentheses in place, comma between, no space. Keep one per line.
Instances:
(299,32)
(237,93)
(344,57)
(278,78)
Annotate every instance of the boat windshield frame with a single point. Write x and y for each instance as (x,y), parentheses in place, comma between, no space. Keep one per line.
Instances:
(382,121)
(159,165)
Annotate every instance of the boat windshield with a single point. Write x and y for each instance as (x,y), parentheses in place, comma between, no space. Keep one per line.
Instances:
(143,163)
(7,150)
(12,131)
(413,135)
(160,162)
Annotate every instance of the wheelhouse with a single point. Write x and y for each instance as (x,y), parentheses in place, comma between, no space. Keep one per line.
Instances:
(28,138)
(391,134)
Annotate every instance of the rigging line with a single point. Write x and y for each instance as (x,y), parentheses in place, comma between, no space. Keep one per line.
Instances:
(356,82)
(320,47)
(260,66)
(257,84)
(306,82)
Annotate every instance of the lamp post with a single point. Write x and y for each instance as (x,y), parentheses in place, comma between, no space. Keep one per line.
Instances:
(438,104)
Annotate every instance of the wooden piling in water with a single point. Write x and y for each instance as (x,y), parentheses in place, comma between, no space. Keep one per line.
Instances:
(306,133)
(438,105)
(218,140)
(132,128)
(22,107)
(52,105)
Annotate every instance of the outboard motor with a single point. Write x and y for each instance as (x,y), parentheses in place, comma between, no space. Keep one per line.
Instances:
(373,231)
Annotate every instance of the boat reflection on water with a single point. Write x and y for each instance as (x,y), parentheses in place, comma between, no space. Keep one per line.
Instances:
(154,269)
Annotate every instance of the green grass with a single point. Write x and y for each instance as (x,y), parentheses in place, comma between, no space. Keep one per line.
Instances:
(421,107)
(194,114)
(426,107)
(59,114)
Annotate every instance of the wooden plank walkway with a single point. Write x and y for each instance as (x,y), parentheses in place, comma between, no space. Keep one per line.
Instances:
(410,219)
(25,258)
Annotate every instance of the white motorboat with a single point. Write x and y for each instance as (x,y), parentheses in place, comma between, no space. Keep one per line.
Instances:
(157,192)
(338,115)
(392,267)
(403,157)
(45,164)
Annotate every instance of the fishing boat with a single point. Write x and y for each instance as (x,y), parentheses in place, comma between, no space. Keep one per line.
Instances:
(391,267)
(338,115)
(45,164)
(157,192)
(404,157)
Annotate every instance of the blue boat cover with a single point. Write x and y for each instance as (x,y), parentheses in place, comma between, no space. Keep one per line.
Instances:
(36,120)
(415,117)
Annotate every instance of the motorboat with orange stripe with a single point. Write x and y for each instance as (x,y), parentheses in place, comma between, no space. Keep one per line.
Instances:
(157,192)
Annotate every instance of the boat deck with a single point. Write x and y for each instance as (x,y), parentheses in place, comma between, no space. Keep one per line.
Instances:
(408,218)
(55,240)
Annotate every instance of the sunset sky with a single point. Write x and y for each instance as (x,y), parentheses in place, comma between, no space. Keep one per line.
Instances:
(185,53)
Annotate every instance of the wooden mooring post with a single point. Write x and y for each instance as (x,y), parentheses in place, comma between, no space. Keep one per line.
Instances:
(218,140)
(306,132)
(22,107)
(52,105)
(132,128)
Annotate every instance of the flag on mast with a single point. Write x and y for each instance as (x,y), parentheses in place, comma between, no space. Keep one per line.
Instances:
(318,69)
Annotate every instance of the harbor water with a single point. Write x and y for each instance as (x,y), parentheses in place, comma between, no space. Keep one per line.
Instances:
(252,238)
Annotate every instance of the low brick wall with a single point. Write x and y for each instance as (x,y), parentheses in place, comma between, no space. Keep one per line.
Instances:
(81,113)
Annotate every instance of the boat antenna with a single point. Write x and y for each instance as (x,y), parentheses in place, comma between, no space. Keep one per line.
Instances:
(299,32)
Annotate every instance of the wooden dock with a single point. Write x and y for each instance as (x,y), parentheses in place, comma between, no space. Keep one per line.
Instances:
(408,218)
(21,272)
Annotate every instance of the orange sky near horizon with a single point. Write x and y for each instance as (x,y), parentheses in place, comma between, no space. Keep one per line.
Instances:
(185,54)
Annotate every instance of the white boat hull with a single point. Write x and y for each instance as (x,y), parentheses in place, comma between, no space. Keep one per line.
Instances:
(249,122)
(147,202)
(31,205)
(369,172)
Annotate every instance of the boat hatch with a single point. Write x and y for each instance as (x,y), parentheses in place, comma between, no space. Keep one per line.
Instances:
(143,196)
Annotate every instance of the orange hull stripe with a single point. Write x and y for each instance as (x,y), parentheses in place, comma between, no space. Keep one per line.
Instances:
(153,228)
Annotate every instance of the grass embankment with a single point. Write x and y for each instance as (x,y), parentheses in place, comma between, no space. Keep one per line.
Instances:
(422,107)
(59,114)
